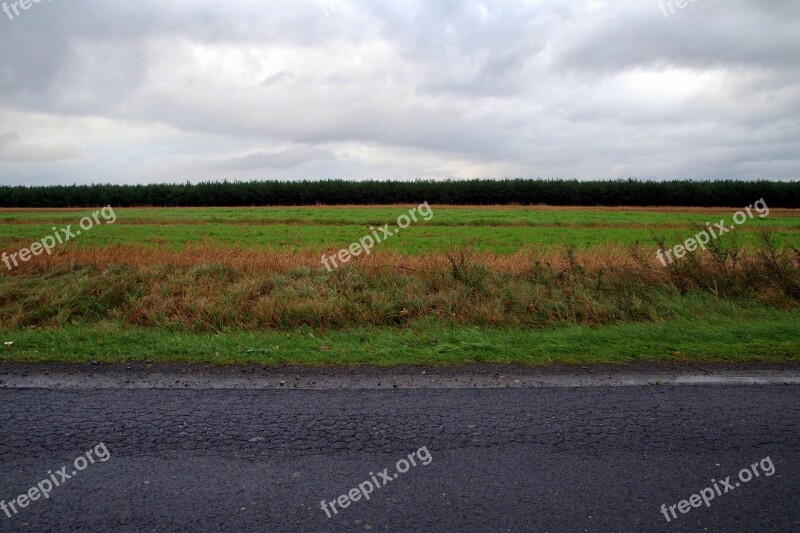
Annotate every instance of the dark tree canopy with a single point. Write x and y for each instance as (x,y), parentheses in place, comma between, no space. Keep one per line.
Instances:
(728,193)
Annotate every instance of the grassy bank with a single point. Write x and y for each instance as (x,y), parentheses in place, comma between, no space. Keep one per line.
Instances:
(717,333)
(530,290)
(471,285)
(450,309)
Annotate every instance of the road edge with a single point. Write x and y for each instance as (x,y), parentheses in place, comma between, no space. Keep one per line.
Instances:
(204,376)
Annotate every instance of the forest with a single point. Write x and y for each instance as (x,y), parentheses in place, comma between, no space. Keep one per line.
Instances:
(727,193)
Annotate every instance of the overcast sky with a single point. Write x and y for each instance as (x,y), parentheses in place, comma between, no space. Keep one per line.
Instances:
(175,90)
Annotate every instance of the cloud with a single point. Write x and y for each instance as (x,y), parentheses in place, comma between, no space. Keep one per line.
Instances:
(8,138)
(423,88)
(14,150)
(707,34)
(285,159)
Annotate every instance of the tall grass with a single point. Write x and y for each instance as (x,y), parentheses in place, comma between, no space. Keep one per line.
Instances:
(207,288)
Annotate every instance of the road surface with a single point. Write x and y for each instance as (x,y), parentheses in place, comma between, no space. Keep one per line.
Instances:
(525,459)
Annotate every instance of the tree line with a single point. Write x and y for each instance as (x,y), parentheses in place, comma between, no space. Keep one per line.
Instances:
(726,193)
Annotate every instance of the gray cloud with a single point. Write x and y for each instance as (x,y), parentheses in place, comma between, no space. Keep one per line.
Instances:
(284,159)
(423,88)
(14,150)
(8,138)
(707,34)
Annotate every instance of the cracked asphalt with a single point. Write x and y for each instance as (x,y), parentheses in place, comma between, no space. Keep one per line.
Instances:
(535,459)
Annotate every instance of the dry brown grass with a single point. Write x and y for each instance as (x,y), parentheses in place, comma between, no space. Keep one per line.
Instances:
(255,260)
(215,287)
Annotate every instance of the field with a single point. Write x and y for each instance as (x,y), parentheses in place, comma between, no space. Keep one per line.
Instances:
(496,229)
(530,285)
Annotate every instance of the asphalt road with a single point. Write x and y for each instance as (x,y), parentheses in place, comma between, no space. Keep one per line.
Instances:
(537,459)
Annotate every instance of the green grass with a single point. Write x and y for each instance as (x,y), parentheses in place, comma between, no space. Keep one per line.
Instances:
(752,334)
(546,314)
(294,229)
(443,216)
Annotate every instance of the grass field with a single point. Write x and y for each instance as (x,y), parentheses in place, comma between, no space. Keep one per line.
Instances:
(495,229)
(532,285)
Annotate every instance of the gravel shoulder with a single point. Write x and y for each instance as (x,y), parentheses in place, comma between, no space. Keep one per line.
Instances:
(203,376)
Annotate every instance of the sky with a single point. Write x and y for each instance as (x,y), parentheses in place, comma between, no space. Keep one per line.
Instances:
(113,91)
